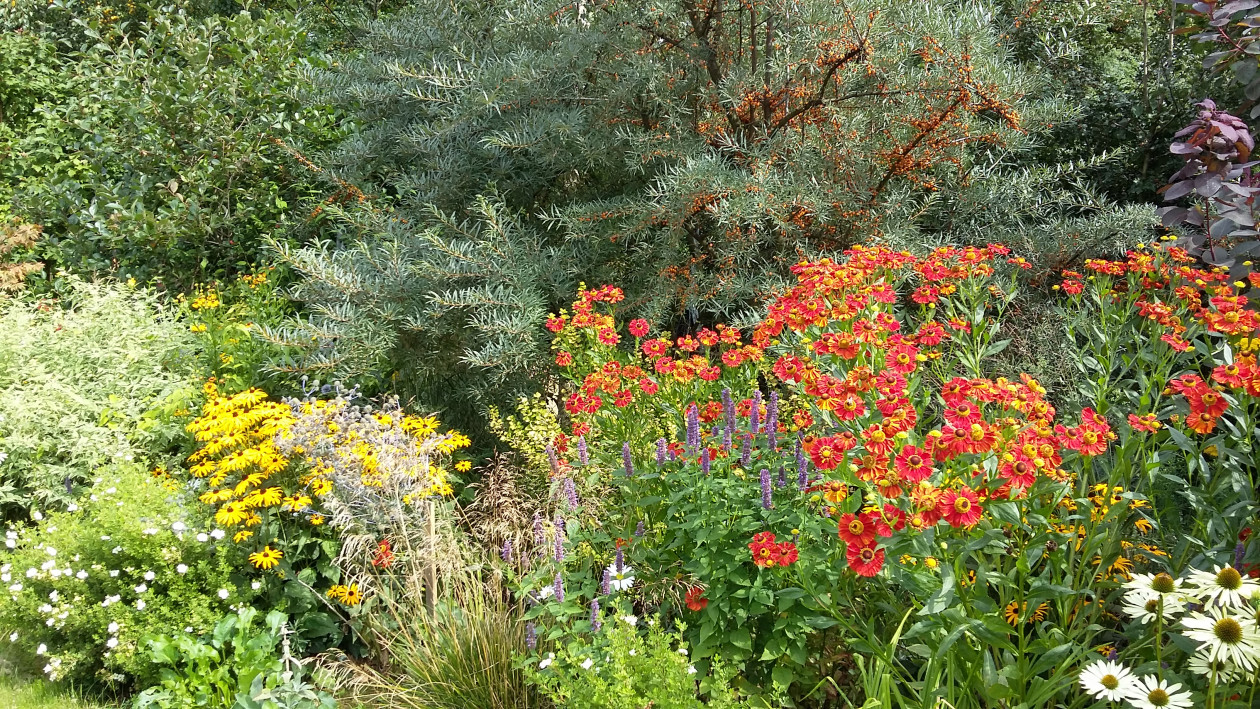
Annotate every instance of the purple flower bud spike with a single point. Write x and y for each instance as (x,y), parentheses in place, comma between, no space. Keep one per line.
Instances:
(772,420)
(704,461)
(583,455)
(570,493)
(754,416)
(606,587)
(625,459)
(531,636)
(782,481)
(745,453)
(559,551)
(507,550)
(639,529)
(621,560)
(693,428)
(728,410)
(595,621)
(1239,550)
(660,451)
(765,489)
(558,587)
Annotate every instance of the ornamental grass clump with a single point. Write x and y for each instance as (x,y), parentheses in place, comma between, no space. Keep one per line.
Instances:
(935,494)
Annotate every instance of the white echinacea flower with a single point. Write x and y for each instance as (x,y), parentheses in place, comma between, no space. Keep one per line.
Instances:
(1107,680)
(1150,692)
(1225,637)
(1223,586)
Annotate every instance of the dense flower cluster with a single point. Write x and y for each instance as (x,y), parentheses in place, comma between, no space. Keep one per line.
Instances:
(768,553)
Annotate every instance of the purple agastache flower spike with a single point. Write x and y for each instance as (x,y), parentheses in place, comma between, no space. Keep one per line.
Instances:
(507,550)
(704,460)
(660,451)
(558,586)
(754,416)
(551,458)
(772,420)
(595,622)
(531,634)
(559,539)
(621,560)
(570,493)
(639,529)
(765,489)
(693,427)
(539,538)
(782,482)
(728,410)
(672,455)
(583,455)
(606,587)
(1238,555)
(625,459)
(745,453)
(1112,654)
(802,467)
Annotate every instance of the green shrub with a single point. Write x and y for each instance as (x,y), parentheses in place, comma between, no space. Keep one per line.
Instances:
(236,666)
(623,668)
(79,378)
(84,585)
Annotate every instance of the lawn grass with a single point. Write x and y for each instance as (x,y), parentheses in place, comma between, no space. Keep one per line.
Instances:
(21,694)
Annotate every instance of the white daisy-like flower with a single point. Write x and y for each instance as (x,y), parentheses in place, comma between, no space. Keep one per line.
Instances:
(630,620)
(1201,664)
(1146,610)
(51,551)
(1107,680)
(691,669)
(620,580)
(179,527)
(1145,586)
(1151,692)
(223,593)
(15,587)
(140,604)
(41,649)
(37,515)
(13,637)
(217,534)
(1225,637)
(82,575)
(181,568)
(588,663)
(546,592)
(111,643)
(149,576)
(142,588)
(1223,586)
(203,537)
(113,628)
(550,658)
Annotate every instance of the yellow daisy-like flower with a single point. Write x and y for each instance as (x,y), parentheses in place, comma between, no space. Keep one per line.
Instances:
(266,559)
(317,520)
(296,503)
(463,466)
(242,536)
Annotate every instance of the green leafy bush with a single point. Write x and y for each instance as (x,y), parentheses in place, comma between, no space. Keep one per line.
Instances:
(80,379)
(235,667)
(623,668)
(83,586)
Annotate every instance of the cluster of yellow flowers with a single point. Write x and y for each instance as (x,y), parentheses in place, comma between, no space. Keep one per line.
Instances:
(257,455)
(206,300)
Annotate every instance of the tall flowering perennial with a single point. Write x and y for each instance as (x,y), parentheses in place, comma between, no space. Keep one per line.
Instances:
(923,477)
(310,462)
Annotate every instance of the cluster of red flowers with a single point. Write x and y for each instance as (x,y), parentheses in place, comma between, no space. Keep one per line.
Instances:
(695,599)
(766,552)
(614,380)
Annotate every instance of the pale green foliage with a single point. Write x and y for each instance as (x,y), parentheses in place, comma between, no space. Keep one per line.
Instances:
(127,555)
(80,379)
(624,667)
(237,666)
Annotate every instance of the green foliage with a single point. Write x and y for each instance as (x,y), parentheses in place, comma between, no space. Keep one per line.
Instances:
(623,668)
(235,667)
(83,586)
(85,380)
(139,193)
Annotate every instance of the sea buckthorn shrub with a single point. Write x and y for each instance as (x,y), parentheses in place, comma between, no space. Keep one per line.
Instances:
(870,480)
(292,481)
(89,378)
(81,587)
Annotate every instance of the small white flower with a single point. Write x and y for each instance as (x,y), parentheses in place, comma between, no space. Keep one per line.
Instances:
(50,622)
(1107,680)
(115,550)
(150,531)
(140,604)
(13,637)
(551,657)
(546,592)
(188,629)
(37,515)
(54,596)
(203,537)
(113,628)
(45,609)
(691,669)
(15,587)
(256,585)
(10,543)
(142,588)
(632,652)
(72,508)
(82,575)
(149,576)
(1150,692)
(217,534)
(630,620)
(41,649)
(587,663)
(51,551)
(682,651)
(111,491)
(6,577)
(178,527)
(223,593)
(181,568)
(111,643)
